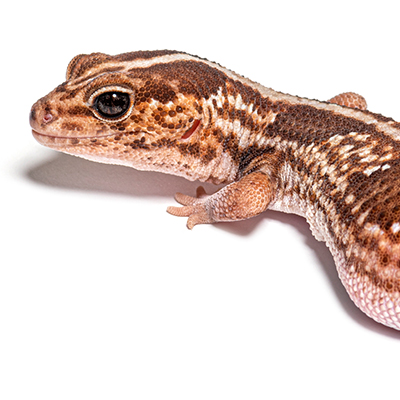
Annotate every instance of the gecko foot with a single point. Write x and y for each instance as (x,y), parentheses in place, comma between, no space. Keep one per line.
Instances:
(239,200)
(193,207)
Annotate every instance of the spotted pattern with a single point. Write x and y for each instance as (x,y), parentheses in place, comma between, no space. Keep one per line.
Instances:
(338,166)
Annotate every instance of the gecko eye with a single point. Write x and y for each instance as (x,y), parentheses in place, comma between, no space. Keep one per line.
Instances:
(112,104)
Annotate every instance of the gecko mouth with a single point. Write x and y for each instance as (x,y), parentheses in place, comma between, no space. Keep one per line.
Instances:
(53,140)
(58,141)
(47,139)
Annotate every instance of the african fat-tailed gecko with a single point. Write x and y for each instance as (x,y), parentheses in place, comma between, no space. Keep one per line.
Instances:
(332,162)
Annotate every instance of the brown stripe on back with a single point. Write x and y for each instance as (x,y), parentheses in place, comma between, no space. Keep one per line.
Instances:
(308,124)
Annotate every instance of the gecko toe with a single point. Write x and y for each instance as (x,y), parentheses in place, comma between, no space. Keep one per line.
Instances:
(180,211)
(184,199)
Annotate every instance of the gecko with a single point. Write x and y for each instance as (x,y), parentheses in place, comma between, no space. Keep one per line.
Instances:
(333,162)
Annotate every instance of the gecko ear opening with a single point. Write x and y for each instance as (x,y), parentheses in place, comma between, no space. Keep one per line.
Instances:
(191,130)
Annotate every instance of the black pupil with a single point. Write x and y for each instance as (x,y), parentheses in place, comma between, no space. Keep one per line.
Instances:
(112,104)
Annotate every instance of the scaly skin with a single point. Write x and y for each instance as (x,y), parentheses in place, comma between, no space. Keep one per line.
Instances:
(332,162)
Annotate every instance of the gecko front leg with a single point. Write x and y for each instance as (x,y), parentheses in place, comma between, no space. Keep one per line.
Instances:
(239,200)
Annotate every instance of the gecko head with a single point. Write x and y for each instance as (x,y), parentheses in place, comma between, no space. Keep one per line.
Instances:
(139,109)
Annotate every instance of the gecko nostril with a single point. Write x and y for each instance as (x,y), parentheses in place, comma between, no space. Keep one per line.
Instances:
(47,117)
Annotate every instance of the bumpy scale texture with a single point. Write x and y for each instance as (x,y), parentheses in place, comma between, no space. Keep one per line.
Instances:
(335,163)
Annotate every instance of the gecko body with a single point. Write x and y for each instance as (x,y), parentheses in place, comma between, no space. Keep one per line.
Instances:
(335,163)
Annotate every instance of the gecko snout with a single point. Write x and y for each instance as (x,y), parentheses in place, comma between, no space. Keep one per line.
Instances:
(40,116)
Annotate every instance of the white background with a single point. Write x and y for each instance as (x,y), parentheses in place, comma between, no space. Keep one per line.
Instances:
(103,295)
